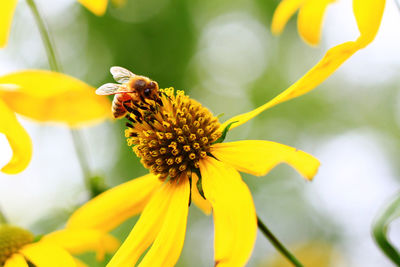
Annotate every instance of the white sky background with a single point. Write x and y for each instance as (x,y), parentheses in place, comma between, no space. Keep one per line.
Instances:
(355,178)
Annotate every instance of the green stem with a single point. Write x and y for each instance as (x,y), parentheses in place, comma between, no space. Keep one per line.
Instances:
(51,54)
(380,228)
(56,66)
(3,219)
(277,244)
(78,145)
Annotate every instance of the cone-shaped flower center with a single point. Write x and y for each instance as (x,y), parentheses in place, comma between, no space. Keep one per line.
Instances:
(12,238)
(172,135)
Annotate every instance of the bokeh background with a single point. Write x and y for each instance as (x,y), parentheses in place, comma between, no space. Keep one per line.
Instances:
(223,54)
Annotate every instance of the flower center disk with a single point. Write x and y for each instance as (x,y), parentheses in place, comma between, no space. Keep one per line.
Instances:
(12,239)
(171,136)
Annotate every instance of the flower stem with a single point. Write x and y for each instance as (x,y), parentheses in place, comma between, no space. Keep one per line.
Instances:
(56,66)
(3,219)
(381,226)
(51,55)
(277,244)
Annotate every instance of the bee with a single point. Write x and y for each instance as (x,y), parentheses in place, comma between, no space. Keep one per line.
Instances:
(133,91)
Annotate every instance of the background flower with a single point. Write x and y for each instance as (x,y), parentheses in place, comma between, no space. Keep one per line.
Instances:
(44,96)
(19,246)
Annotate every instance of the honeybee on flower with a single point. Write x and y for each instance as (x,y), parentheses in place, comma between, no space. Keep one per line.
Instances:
(132,94)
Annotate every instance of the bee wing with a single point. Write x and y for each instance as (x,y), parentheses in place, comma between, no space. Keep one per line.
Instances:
(108,89)
(121,75)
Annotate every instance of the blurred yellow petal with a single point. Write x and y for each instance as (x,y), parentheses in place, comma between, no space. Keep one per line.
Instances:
(235,220)
(197,199)
(7,8)
(16,260)
(77,241)
(315,253)
(283,13)
(146,229)
(52,96)
(368,15)
(18,138)
(309,20)
(43,254)
(111,208)
(97,7)
(259,157)
(167,247)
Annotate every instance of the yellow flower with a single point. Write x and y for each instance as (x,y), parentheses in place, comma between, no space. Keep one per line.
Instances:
(18,247)
(7,8)
(179,141)
(44,96)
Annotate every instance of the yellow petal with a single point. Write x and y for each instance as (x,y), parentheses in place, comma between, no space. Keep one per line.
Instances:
(16,260)
(146,229)
(234,213)
(309,20)
(77,241)
(52,96)
(319,73)
(43,254)
(111,208)
(368,15)
(197,199)
(97,7)
(18,138)
(167,247)
(7,8)
(259,157)
(283,13)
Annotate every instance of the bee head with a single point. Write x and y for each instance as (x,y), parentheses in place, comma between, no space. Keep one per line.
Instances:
(145,87)
(151,89)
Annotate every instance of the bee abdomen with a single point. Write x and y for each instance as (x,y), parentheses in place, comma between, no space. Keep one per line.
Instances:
(118,108)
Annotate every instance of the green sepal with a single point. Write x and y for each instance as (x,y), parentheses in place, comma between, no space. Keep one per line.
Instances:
(97,185)
(37,238)
(380,229)
(220,115)
(200,188)
(224,133)
(199,184)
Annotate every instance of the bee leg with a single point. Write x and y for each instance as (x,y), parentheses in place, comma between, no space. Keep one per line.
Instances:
(139,106)
(130,118)
(134,111)
(137,113)
(159,102)
(128,108)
